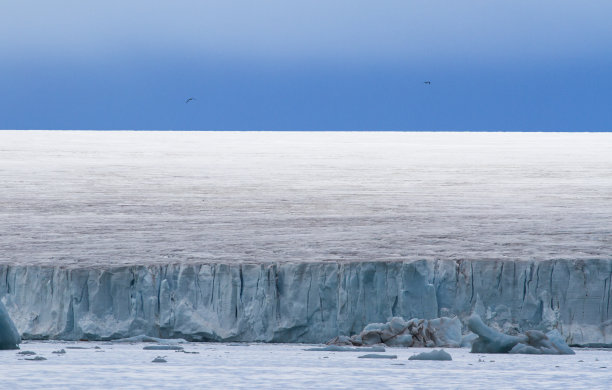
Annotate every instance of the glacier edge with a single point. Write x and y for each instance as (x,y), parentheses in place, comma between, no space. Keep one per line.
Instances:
(305,302)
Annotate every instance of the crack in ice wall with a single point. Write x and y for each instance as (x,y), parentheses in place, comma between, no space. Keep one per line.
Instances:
(305,302)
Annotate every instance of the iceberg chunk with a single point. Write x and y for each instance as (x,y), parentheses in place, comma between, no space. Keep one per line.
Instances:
(532,342)
(433,355)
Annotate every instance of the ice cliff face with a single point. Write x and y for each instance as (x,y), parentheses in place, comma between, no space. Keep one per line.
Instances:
(306,302)
(9,336)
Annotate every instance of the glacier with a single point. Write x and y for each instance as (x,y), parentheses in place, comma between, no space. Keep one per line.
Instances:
(306,302)
(99,199)
(303,237)
(9,336)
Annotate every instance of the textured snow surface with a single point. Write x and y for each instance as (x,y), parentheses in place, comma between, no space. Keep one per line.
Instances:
(113,198)
(278,366)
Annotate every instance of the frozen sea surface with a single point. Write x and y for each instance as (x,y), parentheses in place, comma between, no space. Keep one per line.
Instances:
(112,198)
(288,366)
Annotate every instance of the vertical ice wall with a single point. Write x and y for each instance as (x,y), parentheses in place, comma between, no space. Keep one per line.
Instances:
(305,302)
(9,335)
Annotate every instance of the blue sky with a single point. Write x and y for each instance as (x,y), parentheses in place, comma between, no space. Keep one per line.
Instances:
(306,65)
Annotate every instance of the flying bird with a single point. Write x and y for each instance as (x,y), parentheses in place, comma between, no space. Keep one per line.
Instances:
(427,82)
(190,99)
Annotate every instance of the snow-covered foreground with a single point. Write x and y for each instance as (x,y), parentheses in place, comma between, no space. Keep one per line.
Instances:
(96,199)
(283,366)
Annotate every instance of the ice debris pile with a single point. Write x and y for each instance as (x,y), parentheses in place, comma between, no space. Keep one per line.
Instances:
(438,332)
(9,336)
(532,342)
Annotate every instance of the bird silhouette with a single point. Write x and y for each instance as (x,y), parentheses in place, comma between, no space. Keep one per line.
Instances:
(427,82)
(190,99)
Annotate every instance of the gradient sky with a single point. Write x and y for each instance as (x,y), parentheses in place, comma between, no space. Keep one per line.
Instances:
(306,65)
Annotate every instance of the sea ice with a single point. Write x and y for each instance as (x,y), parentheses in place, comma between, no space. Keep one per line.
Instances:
(36,358)
(287,366)
(337,348)
(149,339)
(163,348)
(377,356)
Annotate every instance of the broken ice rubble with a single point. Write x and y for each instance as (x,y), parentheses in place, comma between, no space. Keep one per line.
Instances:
(532,342)
(438,332)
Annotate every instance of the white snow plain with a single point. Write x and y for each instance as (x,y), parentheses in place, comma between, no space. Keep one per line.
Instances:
(115,198)
(288,366)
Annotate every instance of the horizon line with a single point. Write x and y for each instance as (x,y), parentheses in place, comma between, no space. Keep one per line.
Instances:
(331,131)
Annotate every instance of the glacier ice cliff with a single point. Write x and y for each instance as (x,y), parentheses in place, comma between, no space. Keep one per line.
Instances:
(9,336)
(306,302)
